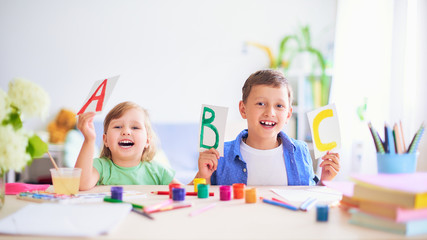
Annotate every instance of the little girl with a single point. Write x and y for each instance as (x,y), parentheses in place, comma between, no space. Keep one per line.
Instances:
(127,153)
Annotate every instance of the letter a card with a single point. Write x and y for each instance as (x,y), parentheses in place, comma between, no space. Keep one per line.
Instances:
(98,96)
(325,129)
(212,128)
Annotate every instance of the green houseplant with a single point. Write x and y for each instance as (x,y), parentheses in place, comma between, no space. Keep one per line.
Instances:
(294,45)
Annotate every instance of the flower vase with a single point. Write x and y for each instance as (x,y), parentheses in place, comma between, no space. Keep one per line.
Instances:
(2,187)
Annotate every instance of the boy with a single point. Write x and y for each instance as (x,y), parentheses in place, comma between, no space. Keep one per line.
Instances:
(263,154)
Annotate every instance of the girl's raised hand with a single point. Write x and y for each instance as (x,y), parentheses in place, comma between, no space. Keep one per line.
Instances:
(330,166)
(86,126)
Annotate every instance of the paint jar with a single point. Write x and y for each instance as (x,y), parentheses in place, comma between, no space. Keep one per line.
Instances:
(172,186)
(117,193)
(250,195)
(322,213)
(239,190)
(202,190)
(397,163)
(225,193)
(198,181)
(178,194)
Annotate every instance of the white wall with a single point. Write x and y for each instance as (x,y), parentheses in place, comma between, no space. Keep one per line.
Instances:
(172,56)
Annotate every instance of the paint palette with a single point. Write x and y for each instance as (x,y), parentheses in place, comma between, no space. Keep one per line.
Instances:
(42,196)
(38,196)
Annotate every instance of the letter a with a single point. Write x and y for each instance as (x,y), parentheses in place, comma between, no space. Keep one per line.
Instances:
(316,122)
(207,123)
(99,98)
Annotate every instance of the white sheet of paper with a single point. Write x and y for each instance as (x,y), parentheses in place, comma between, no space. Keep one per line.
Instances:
(323,195)
(98,104)
(51,219)
(325,130)
(212,128)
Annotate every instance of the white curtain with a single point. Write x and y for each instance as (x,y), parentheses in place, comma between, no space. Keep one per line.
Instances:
(377,49)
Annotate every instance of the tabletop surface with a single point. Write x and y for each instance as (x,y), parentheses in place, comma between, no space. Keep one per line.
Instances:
(232,219)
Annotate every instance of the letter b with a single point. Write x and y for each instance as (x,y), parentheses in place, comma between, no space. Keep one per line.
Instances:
(208,123)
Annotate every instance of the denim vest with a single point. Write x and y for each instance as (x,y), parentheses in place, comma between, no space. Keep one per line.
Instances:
(232,167)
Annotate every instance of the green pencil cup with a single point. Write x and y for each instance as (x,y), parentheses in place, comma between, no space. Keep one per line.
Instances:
(397,163)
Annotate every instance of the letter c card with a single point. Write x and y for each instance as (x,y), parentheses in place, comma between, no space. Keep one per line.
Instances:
(325,129)
(212,128)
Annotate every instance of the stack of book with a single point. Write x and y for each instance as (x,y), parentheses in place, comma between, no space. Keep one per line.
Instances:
(390,202)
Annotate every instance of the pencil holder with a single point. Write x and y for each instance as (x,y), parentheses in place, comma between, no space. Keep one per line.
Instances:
(397,163)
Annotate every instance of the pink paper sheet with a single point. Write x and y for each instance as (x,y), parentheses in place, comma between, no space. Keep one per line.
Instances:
(15,188)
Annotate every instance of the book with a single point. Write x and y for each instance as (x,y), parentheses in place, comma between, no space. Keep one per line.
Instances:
(409,228)
(406,190)
(392,212)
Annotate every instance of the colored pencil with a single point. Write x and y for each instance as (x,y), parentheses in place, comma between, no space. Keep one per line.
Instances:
(416,140)
(290,207)
(172,207)
(378,143)
(204,209)
(112,200)
(398,139)
(308,203)
(402,136)
(134,207)
(158,206)
(142,213)
(187,193)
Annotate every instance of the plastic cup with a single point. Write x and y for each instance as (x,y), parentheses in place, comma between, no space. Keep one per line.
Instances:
(397,163)
(66,180)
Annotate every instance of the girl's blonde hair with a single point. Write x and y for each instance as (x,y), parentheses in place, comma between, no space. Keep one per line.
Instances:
(116,113)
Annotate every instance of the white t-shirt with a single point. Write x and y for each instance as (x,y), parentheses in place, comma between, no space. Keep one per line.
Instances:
(265,167)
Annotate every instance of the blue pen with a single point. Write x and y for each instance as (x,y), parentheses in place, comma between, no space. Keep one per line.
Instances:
(280,204)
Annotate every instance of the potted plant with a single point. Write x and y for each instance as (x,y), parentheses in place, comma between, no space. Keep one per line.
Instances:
(293,46)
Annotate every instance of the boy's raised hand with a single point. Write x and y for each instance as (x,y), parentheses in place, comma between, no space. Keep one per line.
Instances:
(208,162)
(330,166)
(86,126)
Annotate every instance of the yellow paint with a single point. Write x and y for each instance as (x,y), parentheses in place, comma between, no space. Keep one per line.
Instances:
(316,122)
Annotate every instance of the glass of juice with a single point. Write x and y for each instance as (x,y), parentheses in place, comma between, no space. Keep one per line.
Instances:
(66,180)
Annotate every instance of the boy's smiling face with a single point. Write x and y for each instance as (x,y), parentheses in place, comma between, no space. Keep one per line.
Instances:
(267,110)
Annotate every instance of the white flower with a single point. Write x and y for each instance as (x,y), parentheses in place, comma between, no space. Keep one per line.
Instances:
(13,144)
(31,99)
(4,105)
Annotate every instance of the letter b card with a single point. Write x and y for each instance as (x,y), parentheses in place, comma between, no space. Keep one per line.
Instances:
(212,128)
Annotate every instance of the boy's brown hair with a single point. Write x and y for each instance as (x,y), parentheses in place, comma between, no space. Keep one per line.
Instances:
(116,113)
(267,77)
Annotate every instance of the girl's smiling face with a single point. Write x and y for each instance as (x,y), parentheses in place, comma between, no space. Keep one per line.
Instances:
(126,137)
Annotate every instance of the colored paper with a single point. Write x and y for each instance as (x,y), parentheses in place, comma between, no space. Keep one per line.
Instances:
(99,95)
(406,182)
(346,188)
(15,188)
(325,130)
(212,128)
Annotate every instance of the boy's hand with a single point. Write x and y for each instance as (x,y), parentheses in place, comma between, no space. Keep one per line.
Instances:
(86,126)
(330,166)
(208,162)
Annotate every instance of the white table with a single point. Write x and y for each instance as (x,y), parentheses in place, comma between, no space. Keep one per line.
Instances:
(228,220)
